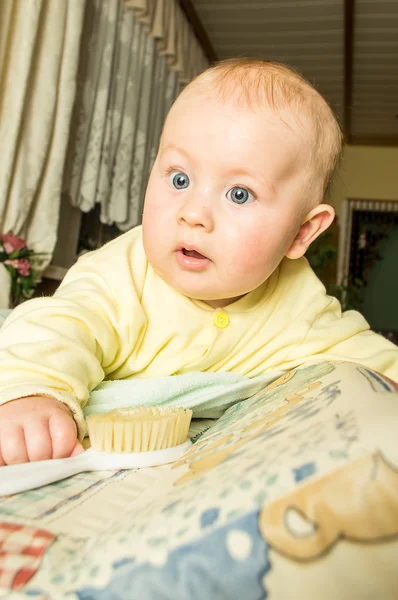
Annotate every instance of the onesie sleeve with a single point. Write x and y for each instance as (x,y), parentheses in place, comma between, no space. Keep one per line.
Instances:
(323,331)
(63,346)
(348,337)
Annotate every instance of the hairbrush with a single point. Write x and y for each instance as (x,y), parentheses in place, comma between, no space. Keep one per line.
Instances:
(120,439)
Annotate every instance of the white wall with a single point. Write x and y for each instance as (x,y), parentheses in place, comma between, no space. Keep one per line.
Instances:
(367,172)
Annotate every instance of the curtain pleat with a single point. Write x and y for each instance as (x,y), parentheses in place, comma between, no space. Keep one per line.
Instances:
(39,49)
(168,24)
(128,80)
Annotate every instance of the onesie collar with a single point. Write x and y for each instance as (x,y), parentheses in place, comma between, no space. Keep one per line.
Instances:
(248,302)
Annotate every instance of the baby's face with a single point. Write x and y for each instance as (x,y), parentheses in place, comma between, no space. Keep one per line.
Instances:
(223,201)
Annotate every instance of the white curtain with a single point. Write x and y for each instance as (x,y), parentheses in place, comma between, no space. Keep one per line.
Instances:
(5,287)
(175,38)
(128,80)
(39,49)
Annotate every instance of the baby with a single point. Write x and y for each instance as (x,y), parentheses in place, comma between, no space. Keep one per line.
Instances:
(214,280)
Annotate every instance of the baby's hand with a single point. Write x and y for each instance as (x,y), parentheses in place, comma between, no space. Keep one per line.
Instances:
(36,428)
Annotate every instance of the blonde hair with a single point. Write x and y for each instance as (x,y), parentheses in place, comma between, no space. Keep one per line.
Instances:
(257,81)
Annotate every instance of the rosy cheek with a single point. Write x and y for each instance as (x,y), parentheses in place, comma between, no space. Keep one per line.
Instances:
(238,261)
(256,257)
(250,251)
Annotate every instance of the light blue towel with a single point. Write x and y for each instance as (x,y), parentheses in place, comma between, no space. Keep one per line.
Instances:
(207,394)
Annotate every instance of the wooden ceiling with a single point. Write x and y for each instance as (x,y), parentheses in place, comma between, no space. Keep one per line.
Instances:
(347,48)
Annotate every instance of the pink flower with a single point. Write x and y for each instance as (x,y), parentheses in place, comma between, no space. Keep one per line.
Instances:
(13,263)
(11,242)
(22,265)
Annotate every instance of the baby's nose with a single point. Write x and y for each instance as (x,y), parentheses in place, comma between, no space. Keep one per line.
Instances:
(196,213)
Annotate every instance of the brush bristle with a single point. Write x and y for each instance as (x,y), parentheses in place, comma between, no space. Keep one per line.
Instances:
(140,429)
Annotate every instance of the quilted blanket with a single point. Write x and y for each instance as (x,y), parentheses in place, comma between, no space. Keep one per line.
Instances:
(291,494)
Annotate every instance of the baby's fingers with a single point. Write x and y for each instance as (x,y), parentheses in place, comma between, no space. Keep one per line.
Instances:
(38,440)
(63,434)
(13,446)
(78,449)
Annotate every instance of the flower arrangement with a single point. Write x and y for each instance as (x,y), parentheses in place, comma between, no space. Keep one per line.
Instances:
(22,264)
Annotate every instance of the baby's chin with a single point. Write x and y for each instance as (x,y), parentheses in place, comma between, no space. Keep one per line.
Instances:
(221,303)
(212,299)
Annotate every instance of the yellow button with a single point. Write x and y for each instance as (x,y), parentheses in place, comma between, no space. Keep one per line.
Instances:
(221,320)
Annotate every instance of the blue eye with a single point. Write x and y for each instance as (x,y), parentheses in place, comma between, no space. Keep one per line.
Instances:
(179,180)
(239,195)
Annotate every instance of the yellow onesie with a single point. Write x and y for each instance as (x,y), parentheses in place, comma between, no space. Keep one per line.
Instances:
(113,317)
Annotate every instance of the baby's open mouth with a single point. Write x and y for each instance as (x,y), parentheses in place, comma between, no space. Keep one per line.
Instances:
(192,260)
(192,253)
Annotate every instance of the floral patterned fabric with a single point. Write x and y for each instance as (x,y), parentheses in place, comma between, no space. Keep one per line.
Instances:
(292,493)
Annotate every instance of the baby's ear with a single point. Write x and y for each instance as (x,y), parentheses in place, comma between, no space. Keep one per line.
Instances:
(315,223)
